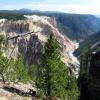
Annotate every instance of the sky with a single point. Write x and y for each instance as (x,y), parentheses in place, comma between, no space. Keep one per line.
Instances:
(67,6)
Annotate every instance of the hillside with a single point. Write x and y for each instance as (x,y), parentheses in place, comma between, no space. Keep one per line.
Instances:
(92,41)
(75,26)
(78,27)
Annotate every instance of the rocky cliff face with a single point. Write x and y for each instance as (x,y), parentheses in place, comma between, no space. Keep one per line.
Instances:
(30,45)
(94,76)
(89,81)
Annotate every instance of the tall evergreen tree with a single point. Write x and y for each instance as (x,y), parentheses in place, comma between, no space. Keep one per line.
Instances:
(20,70)
(3,60)
(53,74)
(32,72)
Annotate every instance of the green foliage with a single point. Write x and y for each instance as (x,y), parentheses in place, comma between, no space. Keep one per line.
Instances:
(2,43)
(53,74)
(20,70)
(3,60)
(53,80)
(1,39)
(90,41)
(72,89)
(3,63)
(11,16)
(32,72)
(11,70)
(3,67)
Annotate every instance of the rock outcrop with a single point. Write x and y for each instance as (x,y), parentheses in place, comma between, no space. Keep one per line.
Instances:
(31,45)
(89,82)
(94,77)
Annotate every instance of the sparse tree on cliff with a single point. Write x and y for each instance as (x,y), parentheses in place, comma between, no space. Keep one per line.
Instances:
(20,70)
(3,60)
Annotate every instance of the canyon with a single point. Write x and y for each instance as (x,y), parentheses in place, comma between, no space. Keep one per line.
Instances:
(28,36)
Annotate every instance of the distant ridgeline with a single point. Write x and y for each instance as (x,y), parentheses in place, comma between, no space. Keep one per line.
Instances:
(75,26)
(89,80)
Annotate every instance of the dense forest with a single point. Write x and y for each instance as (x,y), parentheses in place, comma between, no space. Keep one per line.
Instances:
(11,16)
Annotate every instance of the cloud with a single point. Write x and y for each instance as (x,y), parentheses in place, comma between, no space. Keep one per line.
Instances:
(72,8)
(84,7)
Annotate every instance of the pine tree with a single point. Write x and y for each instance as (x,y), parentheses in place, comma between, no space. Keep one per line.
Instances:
(20,70)
(3,60)
(32,72)
(53,76)
(3,67)
(72,89)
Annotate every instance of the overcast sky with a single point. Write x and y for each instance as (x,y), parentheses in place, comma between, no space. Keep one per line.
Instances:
(68,6)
